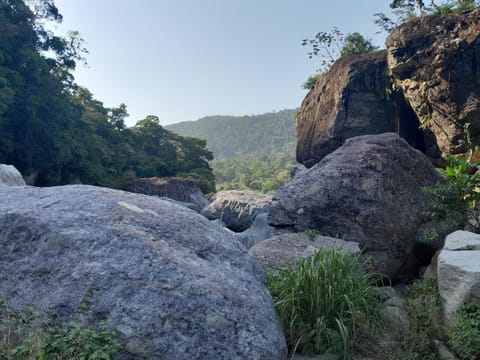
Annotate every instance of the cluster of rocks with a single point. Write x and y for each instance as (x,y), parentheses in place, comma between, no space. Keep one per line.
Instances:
(176,283)
(182,276)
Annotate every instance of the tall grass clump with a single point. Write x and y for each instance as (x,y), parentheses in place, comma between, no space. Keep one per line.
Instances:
(326,304)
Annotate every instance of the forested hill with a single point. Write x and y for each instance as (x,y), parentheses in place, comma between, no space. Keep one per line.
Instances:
(55,132)
(233,136)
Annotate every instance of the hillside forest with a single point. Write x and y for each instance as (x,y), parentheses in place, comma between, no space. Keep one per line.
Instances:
(255,152)
(55,132)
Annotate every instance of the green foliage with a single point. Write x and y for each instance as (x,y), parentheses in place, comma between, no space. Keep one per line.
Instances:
(204,179)
(406,10)
(311,81)
(452,202)
(334,45)
(251,152)
(261,172)
(18,339)
(312,233)
(55,132)
(466,5)
(356,44)
(465,177)
(21,340)
(448,7)
(234,136)
(465,333)
(422,305)
(76,343)
(325,304)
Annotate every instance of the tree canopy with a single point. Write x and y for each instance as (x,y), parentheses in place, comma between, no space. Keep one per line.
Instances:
(251,152)
(56,132)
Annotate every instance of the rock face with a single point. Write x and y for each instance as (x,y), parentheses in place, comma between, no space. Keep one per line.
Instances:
(348,101)
(10,176)
(175,285)
(182,190)
(282,250)
(435,61)
(237,209)
(429,76)
(458,272)
(367,191)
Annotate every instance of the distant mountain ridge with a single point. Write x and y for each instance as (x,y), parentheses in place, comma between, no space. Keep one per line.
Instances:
(233,136)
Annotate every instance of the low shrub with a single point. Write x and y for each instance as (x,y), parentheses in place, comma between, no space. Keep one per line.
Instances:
(18,339)
(453,201)
(76,343)
(312,233)
(325,304)
(311,81)
(21,340)
(465,333)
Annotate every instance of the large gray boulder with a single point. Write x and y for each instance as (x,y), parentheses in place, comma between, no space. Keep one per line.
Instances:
(10,176)
(368,191)
(237,208)
(458,272)
(175,285)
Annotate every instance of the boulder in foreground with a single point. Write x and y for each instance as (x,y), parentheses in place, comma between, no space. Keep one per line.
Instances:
(175,285)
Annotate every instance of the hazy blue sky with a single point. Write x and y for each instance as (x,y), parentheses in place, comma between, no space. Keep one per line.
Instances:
(184,59)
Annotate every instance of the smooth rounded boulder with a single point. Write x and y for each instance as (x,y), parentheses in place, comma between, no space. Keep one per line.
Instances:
(173,284)
(368,191)
(10,176)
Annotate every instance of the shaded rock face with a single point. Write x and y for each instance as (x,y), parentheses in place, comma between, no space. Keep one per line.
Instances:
(10,176)
(350,100)
(367,191)
(175,285)
(435,61)
(178,189)
(429,76)
(237,208)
